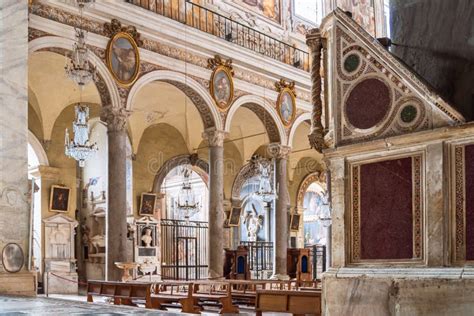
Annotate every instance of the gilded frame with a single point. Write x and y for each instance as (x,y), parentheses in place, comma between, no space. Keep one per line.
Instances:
(108,55)
(52,205)
(222,106)
(143,197)
(233,212)
(287,123)
(295,217)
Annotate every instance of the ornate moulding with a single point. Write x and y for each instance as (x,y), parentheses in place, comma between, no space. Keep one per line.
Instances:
(58,15)
(354,208)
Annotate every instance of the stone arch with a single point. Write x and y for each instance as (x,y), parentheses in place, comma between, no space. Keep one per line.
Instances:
(318,177)
(105,84)
(200,166)
(194,90)
(246,172)
(299,120)
(265,111)
(38,149)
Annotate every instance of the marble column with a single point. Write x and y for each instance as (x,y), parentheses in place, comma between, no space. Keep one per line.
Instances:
(316,135)
(14,195)
(280,154)
(116,224)
(215,139)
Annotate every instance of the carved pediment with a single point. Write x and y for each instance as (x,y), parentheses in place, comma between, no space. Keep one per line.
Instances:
(372,93)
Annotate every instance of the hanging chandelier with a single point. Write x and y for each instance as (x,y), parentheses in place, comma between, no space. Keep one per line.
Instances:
(82,73)
(187,201)
(80,148)
(264,170)
(78,68)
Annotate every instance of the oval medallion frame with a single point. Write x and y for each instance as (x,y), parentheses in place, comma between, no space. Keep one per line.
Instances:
(221,105)
(16,264)
(286,122)
(109,52)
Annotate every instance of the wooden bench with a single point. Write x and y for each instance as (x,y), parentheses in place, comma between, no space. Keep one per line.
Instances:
(122,293)
(295,302)
(167,293)
(245,291)
(215,291)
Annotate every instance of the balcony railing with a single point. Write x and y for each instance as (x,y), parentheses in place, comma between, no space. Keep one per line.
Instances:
(218,25)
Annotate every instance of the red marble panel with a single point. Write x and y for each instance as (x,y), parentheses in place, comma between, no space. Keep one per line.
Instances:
(386,210)
(368,103)
(469,199)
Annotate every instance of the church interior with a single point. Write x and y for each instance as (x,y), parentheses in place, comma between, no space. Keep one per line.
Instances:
(237,156)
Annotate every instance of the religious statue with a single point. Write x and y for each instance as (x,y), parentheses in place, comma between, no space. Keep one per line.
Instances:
(253,223)
(146,237)
(264,186)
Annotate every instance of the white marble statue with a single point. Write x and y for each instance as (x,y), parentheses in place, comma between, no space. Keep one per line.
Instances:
(253,223)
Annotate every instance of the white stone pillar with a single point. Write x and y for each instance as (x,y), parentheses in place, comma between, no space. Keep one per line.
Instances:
(14,206)
(280,153)
(116,224)
(215,139)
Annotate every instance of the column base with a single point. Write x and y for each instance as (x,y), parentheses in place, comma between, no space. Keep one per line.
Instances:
(21,283)
(417,291)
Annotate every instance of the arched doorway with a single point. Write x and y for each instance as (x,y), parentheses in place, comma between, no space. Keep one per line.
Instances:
(184,220)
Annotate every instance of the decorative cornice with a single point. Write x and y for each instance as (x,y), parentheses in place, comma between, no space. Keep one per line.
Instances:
(215,137)
(116,118)
(114,27)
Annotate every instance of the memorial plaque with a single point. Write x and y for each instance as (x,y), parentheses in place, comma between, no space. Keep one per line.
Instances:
(12,258)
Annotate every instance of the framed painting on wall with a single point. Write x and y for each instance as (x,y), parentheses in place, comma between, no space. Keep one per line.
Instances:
(286,105)
(222,87)
(234,218)
(123,59)
(295,222)
(59,198)
(147,204)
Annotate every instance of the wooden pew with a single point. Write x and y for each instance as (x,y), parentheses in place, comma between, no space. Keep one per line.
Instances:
(122,293)
(215,291)
(294,302)
(181,293)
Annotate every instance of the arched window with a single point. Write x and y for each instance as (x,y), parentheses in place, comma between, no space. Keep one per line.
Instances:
(311,11)
(316,210)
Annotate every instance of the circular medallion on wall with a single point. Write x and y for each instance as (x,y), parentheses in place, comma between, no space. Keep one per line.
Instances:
(368,103)
(222,86)
(123,59)
(351,62)
(410,115)
(286,105)
(13,258)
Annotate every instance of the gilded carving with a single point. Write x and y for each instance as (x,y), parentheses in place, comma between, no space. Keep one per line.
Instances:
(221,84)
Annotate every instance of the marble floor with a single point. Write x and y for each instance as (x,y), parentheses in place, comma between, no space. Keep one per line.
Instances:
(76,305)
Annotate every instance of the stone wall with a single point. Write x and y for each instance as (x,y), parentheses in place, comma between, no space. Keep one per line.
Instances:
(436,39)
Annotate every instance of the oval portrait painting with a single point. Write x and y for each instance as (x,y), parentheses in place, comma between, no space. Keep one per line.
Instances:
(12,258)
(123,58)
(286,106)
(222,87)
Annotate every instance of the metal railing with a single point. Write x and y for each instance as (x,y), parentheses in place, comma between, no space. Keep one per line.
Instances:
(183,249)
(223,27)
(260,258)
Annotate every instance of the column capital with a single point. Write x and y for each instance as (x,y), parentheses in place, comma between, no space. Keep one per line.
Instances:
(215,137)
(277,150)
(116,118)
(313,40)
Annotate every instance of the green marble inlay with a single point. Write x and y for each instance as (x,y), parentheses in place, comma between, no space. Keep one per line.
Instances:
(408,114)
(351,63)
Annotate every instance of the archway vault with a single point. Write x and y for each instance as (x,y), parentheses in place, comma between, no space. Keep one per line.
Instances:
(191,88)
(265,111)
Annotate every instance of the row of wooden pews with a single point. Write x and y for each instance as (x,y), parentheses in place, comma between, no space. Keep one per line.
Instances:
(266,295)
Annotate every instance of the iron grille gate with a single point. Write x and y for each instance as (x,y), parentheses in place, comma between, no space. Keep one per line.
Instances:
(318,259)
(260,258)
(183,249)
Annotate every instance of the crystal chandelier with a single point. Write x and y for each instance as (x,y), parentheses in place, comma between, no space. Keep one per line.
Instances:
(78,68)
(265,185)
(187,202)
(80,148)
